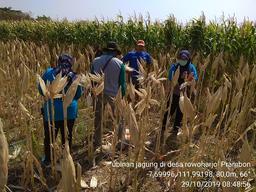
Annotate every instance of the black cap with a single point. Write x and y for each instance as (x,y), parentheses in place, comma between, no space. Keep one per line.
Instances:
(112,46)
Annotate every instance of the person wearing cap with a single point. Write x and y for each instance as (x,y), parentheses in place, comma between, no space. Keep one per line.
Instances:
(187,71)
(64,66)
(114,78)
(137,55)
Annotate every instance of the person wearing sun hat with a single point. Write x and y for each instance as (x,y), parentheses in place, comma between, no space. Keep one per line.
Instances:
(137,55)
(187,71)
(114,78)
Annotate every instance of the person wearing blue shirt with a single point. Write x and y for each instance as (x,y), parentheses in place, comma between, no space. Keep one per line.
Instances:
(187,70)
(64,66)
(137,55)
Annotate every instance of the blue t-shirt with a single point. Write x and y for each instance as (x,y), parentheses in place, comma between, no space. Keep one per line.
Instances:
(190,68)
(133,57)
(72,109)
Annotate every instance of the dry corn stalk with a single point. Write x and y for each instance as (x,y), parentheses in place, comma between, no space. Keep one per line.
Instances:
(188,107)
(240,80)
(96,77)
(43,86)
(68,172)
(71,92)
(175,77)
(133,124)
(4,157)
(214,101)
(85,81)
(99,80)
(57,85)
(131,91)
(181,103)
(52,90)
(146,100)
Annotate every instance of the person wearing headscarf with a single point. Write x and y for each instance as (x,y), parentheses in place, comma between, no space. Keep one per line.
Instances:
(64,66)
(187,71)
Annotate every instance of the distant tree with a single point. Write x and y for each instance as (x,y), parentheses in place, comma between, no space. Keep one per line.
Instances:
(7,13)
(43,18)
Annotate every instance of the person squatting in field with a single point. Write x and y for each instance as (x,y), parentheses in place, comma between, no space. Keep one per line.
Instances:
(134,57)
(64,66)
(187,71)
(114,78)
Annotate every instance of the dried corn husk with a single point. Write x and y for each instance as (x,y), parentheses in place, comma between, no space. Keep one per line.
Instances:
(93,182)
(210,120)
(246,153)
(42,85)
(4,157)
(236,100)
(58,85)
(181,103)
(240,79)
(68,178)
(214,101)
(176,77)
(85,81)
(23,108)
(246,71)
(188,107)
(96,77)
(71,92)
(99,89)
(131,91)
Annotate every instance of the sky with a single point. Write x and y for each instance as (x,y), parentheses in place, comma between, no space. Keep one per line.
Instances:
(184,10)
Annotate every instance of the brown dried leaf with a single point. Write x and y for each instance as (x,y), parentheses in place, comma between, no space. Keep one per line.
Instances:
(176,77)
(42,84)
(71,92)
(4,158)
(188,107)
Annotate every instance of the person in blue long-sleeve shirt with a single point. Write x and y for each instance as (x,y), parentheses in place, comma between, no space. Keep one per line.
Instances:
(187,69)
(64,66)
(133,57)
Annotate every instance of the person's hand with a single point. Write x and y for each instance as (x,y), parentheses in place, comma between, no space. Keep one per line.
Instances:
(184,85)
(191,76)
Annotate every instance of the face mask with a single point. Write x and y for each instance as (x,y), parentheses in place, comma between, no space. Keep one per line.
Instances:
(182,62)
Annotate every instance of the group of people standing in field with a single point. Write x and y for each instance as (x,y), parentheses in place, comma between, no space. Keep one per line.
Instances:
(110,62)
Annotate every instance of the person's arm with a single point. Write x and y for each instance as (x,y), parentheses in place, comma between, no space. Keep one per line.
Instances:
(194,71)
(126,58)
(171,72)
